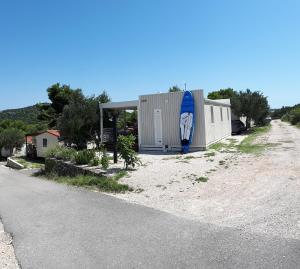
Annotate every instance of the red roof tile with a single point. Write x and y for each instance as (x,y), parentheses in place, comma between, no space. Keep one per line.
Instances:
(29,139)
(54,132)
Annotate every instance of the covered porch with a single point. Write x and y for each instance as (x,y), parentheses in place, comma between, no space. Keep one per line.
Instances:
(114,109)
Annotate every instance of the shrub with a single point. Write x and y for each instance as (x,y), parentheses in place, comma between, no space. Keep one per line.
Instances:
(52,152)
(84,156)
(61,153)
(104,159)
(285,117)
(66,154)
(125,147)
(295,116)
(95,161)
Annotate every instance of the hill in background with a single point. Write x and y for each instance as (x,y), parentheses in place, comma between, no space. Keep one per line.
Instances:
(26,114)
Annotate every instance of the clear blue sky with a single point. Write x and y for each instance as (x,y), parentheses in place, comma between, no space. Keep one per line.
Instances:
(137,47)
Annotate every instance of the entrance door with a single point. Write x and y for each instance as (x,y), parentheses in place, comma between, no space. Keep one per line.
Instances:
(157,127)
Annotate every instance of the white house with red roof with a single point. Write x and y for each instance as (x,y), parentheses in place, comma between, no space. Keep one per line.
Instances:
(43,141)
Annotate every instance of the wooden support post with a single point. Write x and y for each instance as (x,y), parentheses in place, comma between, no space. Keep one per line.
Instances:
(115,137)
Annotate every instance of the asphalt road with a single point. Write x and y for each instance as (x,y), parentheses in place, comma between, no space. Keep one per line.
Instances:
(55,226)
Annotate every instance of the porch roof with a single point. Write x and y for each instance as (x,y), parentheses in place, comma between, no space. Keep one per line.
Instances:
(120,105)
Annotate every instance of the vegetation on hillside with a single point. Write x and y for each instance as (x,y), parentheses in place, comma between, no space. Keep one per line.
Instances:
(28,115)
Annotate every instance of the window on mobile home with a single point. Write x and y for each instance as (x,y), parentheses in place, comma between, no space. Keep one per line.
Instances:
(212,114)
(221,112)
(227,113)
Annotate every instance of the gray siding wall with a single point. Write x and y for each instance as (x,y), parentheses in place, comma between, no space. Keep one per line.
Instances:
(169,103)
(218,128)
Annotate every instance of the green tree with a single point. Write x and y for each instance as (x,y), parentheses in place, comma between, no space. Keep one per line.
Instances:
(103,98)
(79,122)
(60,96)
(254,106)
(222,94)
(175,89)
(76,122)
(127,118)
(228,93)
(11,138)
(127,153)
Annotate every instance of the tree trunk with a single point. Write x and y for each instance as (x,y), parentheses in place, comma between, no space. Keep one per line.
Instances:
(248,123)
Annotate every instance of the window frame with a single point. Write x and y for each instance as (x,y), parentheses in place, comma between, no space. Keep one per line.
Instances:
(45,142)
(221,113)
(212,115)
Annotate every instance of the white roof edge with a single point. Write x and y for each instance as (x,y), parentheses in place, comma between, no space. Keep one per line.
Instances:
(223,102)
(167,93)
(121,105)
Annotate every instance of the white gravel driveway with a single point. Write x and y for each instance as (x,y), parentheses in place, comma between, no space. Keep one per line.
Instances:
(259,194)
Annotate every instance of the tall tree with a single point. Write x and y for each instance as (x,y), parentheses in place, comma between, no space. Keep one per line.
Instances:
(175,89)
(222,94)
(79,121)
(103,98)
(254,106)
(228,93)
(60,96)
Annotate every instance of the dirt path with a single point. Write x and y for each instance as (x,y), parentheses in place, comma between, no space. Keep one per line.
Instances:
(259,194)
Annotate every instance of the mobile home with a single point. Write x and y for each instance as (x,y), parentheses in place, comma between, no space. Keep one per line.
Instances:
(159,116)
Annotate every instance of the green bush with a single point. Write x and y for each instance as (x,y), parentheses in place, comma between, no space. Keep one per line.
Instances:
(295,116)
(84,156)
(61,153)
(104,159)
(52,152)
(125,147)
(285,117)
(95,161)
(292,116)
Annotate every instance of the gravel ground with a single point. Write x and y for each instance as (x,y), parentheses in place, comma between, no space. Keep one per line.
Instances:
(253,193)
(7,256)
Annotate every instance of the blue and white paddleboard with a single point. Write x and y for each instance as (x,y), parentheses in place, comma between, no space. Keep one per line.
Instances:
(187,121)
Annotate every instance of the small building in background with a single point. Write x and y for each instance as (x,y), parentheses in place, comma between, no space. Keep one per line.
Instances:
(159,115)
(39,143)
